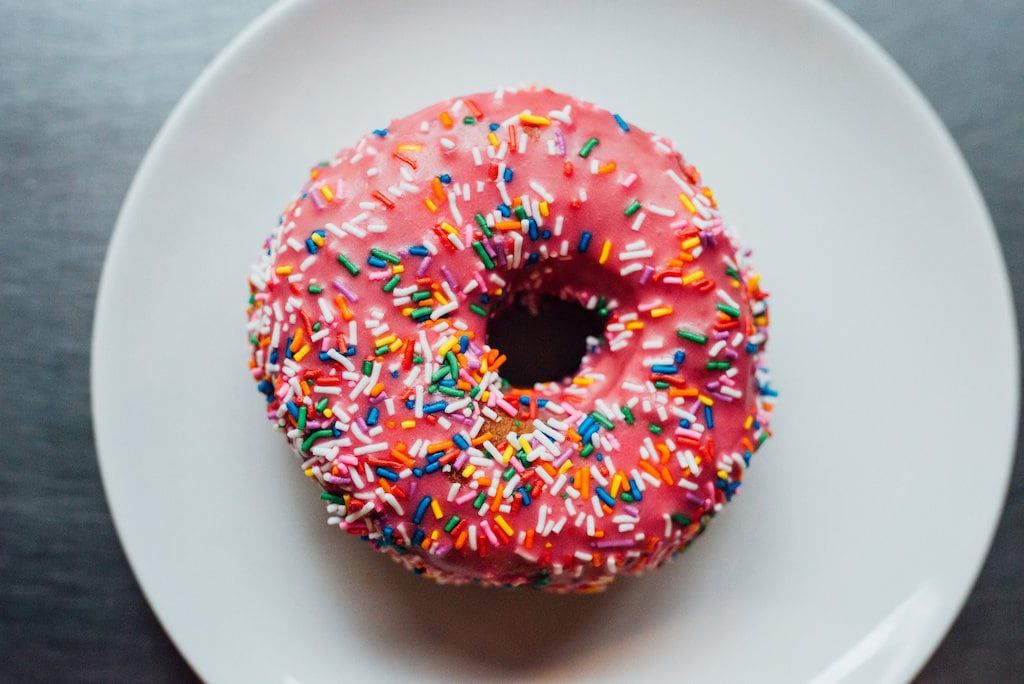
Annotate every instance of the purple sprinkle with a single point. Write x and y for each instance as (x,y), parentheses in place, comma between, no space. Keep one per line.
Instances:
(694,499)
(449,277)
(632,510)
(422,268)
(560,142)
(646,274)
(613,543)
(721,335)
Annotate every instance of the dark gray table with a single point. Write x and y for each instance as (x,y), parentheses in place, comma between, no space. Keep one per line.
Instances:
(84,87)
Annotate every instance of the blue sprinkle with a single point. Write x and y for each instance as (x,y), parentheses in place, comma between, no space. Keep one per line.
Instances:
(335,430)
(435,406)
(463,343)
(524,400)
(584,241)
(293,409)
(746,458)
(708,418)
(533,258)
(273,355)
(418,250)
(622,123)
(493,126)
(395,374)
(542,403)
(635,491)
(310,246)
(445,178)
(434,456)
(604,496)
(376,262)
(410,403)
(504,210)
(351,350)
(679,357)
(324,356)
(321,232)
(387,473)
(664,369)
(533,232)
(372,415)
(526,496)
(421,510)
(545,234)
(447,382)
(418,472)
(507,177)
(460,442)
(418,536)
(380,132)
(432,467)
(683,423)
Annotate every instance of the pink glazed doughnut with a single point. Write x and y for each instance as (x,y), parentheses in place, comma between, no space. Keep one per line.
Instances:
(368,324)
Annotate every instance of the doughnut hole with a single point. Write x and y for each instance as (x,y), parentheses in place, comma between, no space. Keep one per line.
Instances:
(543,337)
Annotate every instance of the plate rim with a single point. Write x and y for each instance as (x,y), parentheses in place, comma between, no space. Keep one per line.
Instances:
(822,10)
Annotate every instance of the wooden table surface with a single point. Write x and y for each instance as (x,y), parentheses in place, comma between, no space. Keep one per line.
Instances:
(84,86)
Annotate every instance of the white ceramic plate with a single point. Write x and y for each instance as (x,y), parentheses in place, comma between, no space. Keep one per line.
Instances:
(862,524)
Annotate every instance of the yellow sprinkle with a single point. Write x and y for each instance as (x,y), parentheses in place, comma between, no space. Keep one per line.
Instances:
(706,400)
(395,346)
(565,466)
(408,424)
(397,268)
(468,470)
(449,228)
(430,204)
(606,249)
(504,525)
(387,339)
(493,139)
(441,299)
(616,483)
(328,413)
(301,353)
(748,422)
(283,270)
(722,475)
(543,206)
(436,508)
(435,535)
(687,203)
(507,454)
(660,311)
(583,381)
(446,347)
(534,120)
(693,275)
(326,192)
(309,472)
(317,240)
(635,325)
(410,147)
(525,445)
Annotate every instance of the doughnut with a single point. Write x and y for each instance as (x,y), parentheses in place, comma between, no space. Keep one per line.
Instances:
(368,323)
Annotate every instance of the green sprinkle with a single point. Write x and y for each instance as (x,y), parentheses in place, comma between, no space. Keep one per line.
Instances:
(521,213)
(421,313)
(661,384)
(732,272)
(728,310)
(587,450)
(321,405)
(440,373)
(627,497)
(633,207)
(602,421)
(367,367)
(482,222)
(392,283)
(326,496)
(421,295)
(762,438)
(692,336)
(480,499)
(718,365)
(385,256)
(348,264)
(453,364)
(450,525)
(482,253)
(507,475)
(381,350)
(478,310)
(680,519)
(451,391)
(301,422)
(475,392)
(588,147)
(628,415)
(416,358)
(315,436)
(315,289)
(468,120)
(654,428)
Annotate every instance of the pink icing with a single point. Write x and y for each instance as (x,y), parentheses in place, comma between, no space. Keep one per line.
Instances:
(659,256)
